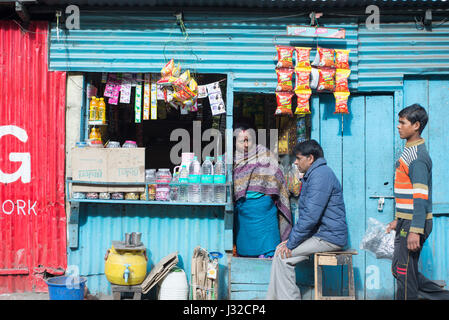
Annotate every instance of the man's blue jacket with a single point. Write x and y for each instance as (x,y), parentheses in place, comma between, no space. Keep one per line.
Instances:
(321,208)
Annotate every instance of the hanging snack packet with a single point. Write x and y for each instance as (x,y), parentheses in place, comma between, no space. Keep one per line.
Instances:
(341,102)
(303,105)
(326,81)
(342,59)
(302,78)
(167,70)
(302,56)
(284,80)
(324,58)
(184,79)
(314,78)
(193,86)
(285,57)
(284,103)
(341,80)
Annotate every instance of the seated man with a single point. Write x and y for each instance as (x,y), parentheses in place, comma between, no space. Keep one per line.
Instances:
(321,224)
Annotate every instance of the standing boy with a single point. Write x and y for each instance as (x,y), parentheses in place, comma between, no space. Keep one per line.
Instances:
(413,220)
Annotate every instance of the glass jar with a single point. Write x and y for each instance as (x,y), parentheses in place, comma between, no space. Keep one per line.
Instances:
(150,176)
(131,196)
(104,195)
(117,195)
(163,190)
(92,195)
(79,195)
(113,144)
(129,144)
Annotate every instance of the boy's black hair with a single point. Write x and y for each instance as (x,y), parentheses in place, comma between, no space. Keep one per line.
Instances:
(414,113)
(309,147)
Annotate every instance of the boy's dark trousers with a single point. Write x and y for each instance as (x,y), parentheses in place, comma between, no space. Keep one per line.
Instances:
(411,284)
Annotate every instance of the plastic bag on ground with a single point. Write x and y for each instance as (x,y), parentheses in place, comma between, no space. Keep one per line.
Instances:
(377,240)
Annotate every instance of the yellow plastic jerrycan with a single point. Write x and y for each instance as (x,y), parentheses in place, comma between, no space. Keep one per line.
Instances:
(125,267)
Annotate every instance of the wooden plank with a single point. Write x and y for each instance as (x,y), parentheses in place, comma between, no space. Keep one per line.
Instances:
(353,184)
(380,167)
(416,90)
(327,260)
(438,143)
(332,144)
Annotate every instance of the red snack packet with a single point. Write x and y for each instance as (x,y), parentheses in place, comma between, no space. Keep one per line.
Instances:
(341,102)
(284,103)
(303,106)
(285,57)
(341,80)
(302,78)
(326,81)
(342,59)
(284,79)
(302,56)
(324,58)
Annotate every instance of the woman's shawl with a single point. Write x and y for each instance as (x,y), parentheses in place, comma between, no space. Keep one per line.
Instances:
(259,171)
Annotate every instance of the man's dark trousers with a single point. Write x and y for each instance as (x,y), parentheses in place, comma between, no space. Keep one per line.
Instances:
(411,284)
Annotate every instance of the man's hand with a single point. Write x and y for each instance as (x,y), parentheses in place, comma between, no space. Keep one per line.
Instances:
(413,241)
(283,251)
(391,226)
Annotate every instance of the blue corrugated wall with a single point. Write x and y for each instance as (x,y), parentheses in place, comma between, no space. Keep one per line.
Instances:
(244,49)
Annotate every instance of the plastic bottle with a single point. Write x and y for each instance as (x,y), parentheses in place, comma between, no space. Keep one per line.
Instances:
(220,177)
(93,109)
(183,190)
(195,179)
(101,110)
(174,187)
(207,176)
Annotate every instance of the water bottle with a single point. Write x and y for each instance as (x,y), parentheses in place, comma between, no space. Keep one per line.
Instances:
(195,180)
(220,177)
(174,187)
(183,179)
(207,176)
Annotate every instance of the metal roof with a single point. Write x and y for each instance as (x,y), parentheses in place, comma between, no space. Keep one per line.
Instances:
(278,4)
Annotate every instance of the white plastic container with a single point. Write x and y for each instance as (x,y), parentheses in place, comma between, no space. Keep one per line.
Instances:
(174,286)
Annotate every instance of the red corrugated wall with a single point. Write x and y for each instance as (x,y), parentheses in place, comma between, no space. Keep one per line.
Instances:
(32,131)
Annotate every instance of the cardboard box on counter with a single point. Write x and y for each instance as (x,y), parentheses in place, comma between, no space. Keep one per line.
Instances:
(108,165)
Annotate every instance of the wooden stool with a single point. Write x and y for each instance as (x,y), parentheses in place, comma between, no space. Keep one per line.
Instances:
(334,258)
(117,291)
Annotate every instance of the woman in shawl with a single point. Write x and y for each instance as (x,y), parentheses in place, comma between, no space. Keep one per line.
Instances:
(260,192)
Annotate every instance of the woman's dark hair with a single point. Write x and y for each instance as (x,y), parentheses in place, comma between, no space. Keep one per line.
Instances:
(309,147)
(415,113)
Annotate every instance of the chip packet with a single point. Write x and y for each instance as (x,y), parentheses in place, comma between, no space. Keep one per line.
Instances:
(302,76)
(284,103)
(341,80)
(303,105)
(284,80)
(342,59)
(302,57)
(341,102)
(167,70)
(324,58)
(285,57)
(326,80)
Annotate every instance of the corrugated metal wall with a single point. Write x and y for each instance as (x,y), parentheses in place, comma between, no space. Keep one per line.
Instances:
(165,229)
(32,215)
(139,42)
(398,49)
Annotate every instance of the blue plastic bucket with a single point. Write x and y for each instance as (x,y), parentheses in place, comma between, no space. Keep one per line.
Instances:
(66,288)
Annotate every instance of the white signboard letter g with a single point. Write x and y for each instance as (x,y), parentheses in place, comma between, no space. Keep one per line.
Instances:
(24,172)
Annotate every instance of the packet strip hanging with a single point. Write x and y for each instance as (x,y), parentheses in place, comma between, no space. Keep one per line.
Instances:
(284,103)
(285,57)
(303,105)
(284,80)
(341,102)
